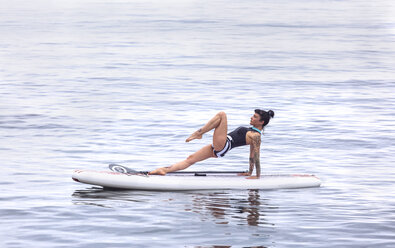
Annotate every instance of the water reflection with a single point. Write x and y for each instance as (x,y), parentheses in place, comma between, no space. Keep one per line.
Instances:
(223,208)
(105,197)
(254,215)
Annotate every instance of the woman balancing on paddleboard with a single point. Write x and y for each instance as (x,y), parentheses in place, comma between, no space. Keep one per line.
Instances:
(223,142)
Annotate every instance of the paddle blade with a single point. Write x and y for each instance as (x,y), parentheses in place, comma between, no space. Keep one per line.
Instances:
(121,169)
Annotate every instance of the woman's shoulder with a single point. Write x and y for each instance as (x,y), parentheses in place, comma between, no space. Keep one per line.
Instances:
(253,133)
(253,138)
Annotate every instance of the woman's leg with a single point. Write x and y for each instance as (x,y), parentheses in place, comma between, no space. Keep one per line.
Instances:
(220,123)
(204,153)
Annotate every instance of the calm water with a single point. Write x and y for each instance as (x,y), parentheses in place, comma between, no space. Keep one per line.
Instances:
(87,83)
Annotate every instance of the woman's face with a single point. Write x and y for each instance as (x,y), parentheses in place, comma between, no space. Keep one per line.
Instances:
(255,120)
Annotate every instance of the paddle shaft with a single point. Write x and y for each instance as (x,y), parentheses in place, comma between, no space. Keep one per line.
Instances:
(114,167)
(206,172)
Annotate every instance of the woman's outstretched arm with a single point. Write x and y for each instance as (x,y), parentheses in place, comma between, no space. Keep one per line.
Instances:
(255,157)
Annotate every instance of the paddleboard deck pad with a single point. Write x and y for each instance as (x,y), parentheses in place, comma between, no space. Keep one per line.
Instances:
(192,181)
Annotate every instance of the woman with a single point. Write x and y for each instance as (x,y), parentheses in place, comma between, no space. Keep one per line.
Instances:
(223,142)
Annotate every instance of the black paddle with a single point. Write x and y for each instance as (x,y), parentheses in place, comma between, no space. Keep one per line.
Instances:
(126,170)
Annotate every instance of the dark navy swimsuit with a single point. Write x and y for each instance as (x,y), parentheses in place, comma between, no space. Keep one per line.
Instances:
(235,138)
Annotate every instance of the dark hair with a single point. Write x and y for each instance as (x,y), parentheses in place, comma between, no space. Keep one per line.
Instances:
(265,115)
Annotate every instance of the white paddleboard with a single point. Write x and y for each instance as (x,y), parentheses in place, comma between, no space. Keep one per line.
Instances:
(178,182)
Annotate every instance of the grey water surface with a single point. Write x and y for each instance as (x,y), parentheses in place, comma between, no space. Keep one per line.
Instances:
(88,83)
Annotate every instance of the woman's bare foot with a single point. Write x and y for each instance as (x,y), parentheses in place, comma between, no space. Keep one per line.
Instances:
(160,171)
(196,135)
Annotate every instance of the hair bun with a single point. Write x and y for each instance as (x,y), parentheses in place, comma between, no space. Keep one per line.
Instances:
(271,113)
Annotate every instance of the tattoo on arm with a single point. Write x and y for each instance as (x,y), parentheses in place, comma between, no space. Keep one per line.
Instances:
(252,163)
(257,144)
(257,165)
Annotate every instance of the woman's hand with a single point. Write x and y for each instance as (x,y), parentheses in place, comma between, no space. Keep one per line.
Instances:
(160,171)
(244,174)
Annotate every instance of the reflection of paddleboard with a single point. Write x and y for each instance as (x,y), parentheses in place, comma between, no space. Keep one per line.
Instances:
(196,181)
